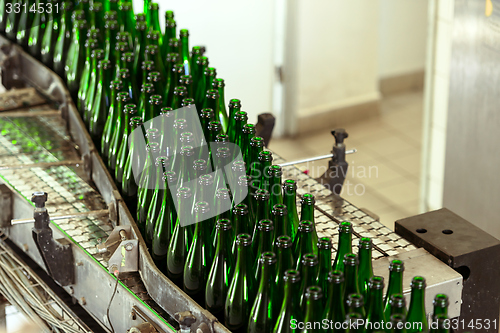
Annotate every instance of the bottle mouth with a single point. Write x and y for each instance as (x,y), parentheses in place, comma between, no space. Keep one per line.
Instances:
(123,97)
(292,276)
(170,177)
(257,141)
(187,101)
(309,260)
(222,138)
(284,242)
(289,186)
(130,109)
(397,301)
(265,225)
(365,243)
(224,224)
(279,210)
(355,300)
(305,226)
(336,277)
(249,129)
(202,207)
(351,259)
(184,33)
(184,193)
(135,122)
(418,282)
(235,103)
(240,209)
(396,266)
(345,227)
(397,318)
(265,156)
(261,195)
(376,282)
(325,243)
(314,293)
(154,147)
(205,180)
(268,258)
(222,194)
(243,240)
(239,166)
(104,64)
(441,300)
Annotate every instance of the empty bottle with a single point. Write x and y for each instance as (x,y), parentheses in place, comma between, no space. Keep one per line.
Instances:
(416,312)
(290,308)
(375,319)
(335,309)
(351,264)
(314,310)
(396,269)
(345,245)
(304,242)
(365,271)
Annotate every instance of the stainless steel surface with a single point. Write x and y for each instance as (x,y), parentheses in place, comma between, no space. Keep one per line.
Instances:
(471,184)
(315,158)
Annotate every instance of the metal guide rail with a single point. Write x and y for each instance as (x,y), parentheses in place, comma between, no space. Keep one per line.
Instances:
(45,147)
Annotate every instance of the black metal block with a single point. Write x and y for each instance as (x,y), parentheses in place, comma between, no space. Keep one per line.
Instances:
(265,126)
(470,251)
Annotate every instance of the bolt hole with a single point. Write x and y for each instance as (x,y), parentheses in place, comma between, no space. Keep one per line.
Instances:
(421,230)
(464,271)
(447,231)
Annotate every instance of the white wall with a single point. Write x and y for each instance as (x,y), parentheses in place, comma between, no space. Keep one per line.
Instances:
(239,39)
(402,36)
(436,103)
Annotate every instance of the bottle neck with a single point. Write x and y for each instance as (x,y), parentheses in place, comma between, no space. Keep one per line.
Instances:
(376,307)
(307,213)
(266,278)
(290,201)
(262,210)
(223,241)
(417,302)
(345,246)
(365,260)
(292,295)
(395,283)
(264,241)
(185,54)
(351,278)
(325,259)
(243,264)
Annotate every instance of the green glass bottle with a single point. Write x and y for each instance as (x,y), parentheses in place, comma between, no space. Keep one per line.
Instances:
(441,324)
(196,53)
(180,241)
(354,322)
(324,246)
(155,105)
(274,173)
(156,80)
(284,252)
(97,17)
(112,118)
(37,31)
(145,110)
(111,29)
(147,14)
(140,48)
(128,18)
(164,226)
(256,146)
(314,309)
(397,323)
(351,266)
(241,219)
(12,24)
(395,286)
(153,16)
(365,271)
(335,309)
(96,56)
(290,200)
(187,81)
(76,58)
(397,305)
(128,85)
(162,164)
(440,303)
(180,92)
(130,110)
(290,309)
(307,202)
(212,101)
(309,271)
(91,44)
(240,120)
(416,311)
(147,183)
(304,242)
(110,15)
(24,26)
(101,103)
(184,51)
(111,5)
(262,242)
(153,54)
(170,32)
(63,39)
(265,307)
(280,218)
(261,204)
(4,14)
(222,202)
(221,271)
(265,162)
(50,36)
(129,184)
(248,133)
(355,303)
(375,318)
(345,245)
(201,85)
(234,106)
(243,287)
(117,135)
(127,61)
(218,84)
(200,255)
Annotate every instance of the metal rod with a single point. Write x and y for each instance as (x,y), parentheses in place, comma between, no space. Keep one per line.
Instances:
(95,213)
(41,165)
(316,158)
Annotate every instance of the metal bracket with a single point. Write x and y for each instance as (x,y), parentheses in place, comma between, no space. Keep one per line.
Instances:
(186,319)
(121,251)
(265,126)
(467,249)
(5,206)
(56,254)
(334,177)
